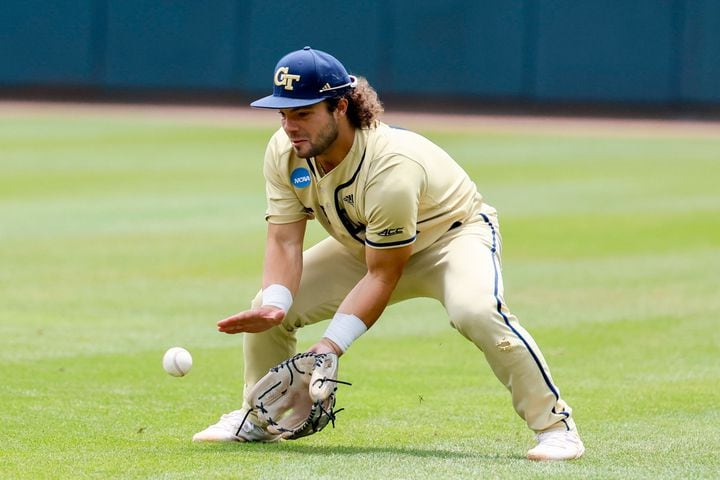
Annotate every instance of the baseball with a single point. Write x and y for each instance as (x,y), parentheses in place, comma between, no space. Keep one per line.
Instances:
(177,362)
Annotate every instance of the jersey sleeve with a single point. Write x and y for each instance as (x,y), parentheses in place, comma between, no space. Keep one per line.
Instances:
(283,205)
(392,199)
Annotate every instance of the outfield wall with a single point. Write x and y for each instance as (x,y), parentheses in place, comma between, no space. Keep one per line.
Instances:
(654,52)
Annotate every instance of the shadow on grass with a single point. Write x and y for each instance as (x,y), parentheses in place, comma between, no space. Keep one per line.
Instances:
(288,447)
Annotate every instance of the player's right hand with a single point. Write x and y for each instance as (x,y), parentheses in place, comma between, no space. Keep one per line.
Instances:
(252,321)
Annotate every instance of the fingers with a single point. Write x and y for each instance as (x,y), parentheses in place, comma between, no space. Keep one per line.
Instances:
(251,321)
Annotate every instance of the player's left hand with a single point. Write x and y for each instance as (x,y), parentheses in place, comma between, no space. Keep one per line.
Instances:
(297,397)
(252,321)
(325,346)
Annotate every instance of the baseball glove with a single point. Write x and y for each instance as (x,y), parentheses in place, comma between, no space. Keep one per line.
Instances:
(297,397)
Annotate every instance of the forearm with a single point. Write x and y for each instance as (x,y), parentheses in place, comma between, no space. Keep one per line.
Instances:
(283,255)
(283,266)
(362,307)
(359,311)
(368,299)
(281,277)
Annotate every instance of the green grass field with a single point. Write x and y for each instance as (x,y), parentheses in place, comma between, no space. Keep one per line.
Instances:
(121,236)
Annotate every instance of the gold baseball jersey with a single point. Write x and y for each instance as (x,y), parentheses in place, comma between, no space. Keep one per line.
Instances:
(393,188)
(396,188)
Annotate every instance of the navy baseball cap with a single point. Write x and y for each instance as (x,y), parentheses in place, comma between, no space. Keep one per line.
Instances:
(306,77)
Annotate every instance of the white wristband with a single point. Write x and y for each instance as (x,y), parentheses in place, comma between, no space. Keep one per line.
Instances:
(344,329)
(278,296)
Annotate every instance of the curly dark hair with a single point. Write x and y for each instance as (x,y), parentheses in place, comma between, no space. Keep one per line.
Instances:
(364,106)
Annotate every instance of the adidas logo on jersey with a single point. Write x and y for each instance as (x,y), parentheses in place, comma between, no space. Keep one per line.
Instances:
(349,199)
(389,232)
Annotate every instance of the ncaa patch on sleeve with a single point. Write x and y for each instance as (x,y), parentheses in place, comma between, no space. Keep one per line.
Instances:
(300,177)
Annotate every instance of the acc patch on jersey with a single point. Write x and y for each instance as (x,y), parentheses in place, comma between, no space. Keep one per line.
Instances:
(300,177)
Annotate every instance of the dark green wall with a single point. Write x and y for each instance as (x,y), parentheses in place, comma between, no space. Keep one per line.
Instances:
(664,52)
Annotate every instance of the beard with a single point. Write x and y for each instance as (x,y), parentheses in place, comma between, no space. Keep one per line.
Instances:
(317,146)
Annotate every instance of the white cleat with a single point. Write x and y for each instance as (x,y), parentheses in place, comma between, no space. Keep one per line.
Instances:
(557,445)
(234,427)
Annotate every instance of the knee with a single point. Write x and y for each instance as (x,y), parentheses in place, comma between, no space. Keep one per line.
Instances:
(473,313)
(482,320)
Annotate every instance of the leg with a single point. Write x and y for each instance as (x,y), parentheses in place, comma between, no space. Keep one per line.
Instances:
(468,282)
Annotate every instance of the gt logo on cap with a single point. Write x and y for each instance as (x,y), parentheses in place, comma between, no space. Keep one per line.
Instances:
(282,78)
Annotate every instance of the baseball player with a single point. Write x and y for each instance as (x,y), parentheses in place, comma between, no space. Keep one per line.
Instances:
(405,221)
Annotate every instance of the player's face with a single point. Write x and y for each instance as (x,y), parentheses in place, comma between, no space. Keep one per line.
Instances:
(312,129)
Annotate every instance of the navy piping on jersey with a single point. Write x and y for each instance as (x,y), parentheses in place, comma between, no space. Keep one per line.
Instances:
(391,244)
(312,168)
(351,228)
(507,321)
